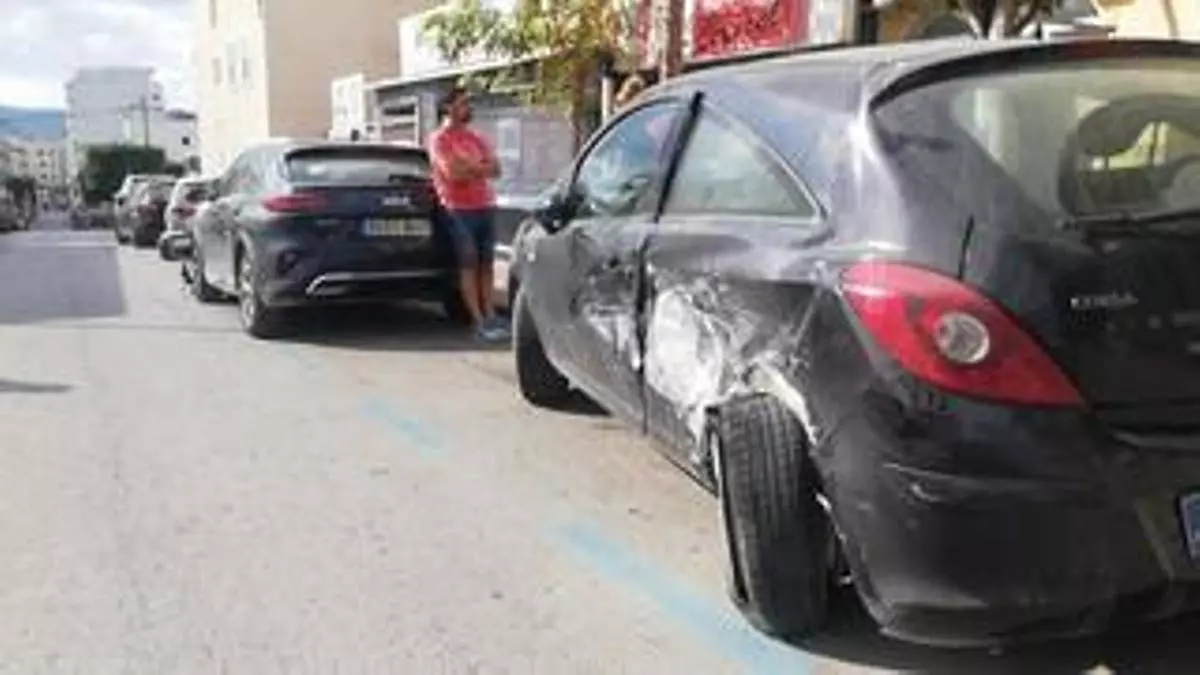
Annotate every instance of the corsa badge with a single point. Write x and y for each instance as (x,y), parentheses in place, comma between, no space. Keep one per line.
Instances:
(1109,301)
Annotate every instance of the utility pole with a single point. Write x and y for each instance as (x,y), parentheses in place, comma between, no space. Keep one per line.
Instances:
(144,107)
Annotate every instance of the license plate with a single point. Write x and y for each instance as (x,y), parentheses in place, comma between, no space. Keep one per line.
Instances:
(1189,510)
(397,227)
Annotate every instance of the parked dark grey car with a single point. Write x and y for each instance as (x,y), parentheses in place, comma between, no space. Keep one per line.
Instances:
(301,223)
(924,317)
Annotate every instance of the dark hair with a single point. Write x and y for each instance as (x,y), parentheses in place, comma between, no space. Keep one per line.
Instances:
(450,98)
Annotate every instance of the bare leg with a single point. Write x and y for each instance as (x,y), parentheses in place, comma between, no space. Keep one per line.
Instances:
(486,285)
(468,286)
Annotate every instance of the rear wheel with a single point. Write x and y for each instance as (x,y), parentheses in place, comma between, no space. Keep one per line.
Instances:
(143,238)
(258,320)
(778,534)
(540,382)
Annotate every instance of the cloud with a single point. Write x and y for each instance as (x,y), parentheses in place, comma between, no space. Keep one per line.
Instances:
(43,42)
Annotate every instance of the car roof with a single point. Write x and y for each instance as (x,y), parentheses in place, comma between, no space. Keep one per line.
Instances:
(853,77)
(290,145)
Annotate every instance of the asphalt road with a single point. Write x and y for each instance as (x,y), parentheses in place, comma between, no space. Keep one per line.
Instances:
(371,498)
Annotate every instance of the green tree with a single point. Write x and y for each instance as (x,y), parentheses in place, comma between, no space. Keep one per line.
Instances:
(105,168)
(22,189)
(1005,18)
(569,39)
(988,18)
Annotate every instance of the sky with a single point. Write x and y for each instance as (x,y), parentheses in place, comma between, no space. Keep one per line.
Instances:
(43,42)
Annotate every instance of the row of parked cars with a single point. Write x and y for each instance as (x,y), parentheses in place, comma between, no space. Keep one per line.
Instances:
(11,217)
(924,318)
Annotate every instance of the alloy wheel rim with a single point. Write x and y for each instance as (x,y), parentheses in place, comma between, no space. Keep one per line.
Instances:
(246,292)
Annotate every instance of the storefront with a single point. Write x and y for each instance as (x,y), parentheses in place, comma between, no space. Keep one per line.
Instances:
(532,144)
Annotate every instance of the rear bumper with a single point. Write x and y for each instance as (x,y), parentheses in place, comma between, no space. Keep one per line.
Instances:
(298,273)
(147,229)
(993,526)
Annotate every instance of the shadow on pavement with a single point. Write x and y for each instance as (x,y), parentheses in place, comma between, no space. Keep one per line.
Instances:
(1163,648)
(17,387)
(64,277)
(388,328)
(580,404)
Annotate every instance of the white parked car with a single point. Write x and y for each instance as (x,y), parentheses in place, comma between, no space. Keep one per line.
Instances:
(188,194)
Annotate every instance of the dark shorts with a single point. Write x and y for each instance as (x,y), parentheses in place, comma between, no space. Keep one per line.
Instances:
(474,236)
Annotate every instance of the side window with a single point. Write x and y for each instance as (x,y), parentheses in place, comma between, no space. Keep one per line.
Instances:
(242,178)
(252,180)
(724,170)
(232,183)
(622,167)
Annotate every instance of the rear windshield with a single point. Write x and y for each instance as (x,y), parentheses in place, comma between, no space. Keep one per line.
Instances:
(157,189)
(355,167)
(1114,135)
(190,193)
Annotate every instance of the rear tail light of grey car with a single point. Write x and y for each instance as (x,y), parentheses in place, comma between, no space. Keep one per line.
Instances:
(953,337)
(296,202)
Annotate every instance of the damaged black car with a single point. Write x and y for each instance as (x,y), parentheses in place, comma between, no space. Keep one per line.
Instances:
(925,318)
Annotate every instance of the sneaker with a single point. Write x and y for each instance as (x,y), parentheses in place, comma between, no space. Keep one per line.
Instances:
(496,321)
(490,333)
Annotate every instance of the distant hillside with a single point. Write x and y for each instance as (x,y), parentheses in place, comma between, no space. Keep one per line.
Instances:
(40,123)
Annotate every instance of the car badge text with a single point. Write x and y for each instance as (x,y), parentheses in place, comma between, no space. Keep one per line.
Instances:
(1114,300)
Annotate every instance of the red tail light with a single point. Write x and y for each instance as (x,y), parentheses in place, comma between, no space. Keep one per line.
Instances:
(296,202)
(953,337)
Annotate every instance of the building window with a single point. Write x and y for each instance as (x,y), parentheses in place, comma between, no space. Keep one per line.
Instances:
(231,63)
(212,12)
(216,65)
(185,141)
(245,67)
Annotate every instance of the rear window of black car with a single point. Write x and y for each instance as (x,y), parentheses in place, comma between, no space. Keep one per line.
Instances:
(1112,135)
(355,167)
(153,190)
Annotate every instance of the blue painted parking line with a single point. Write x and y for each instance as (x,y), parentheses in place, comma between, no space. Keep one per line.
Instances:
(720,628)
(412,430)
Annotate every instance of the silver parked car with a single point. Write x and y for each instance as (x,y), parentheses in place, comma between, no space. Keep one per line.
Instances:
(188,197)
(188,194)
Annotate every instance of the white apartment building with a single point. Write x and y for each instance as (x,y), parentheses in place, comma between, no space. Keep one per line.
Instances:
(100,101)
(350,108)
(263,67)
(41,160)
(174,131)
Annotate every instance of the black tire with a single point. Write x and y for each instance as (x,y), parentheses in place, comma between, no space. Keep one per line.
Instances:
(540,382)
(145,240)
(198,284)
(257,319)
(778,534)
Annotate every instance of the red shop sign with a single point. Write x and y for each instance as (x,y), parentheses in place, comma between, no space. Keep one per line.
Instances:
(727,27)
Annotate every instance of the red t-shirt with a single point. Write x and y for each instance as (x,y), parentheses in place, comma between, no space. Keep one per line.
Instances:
(459,195)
